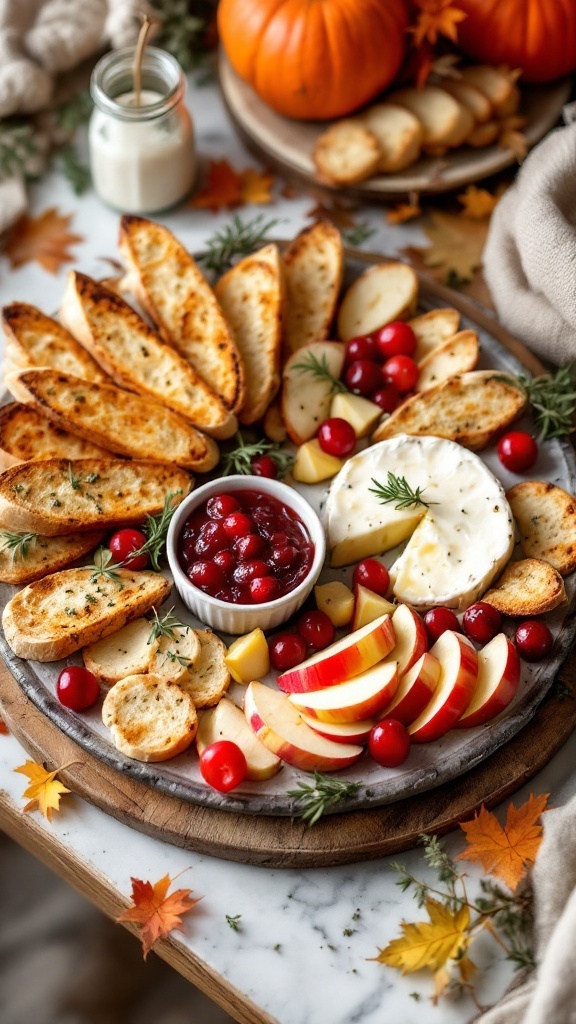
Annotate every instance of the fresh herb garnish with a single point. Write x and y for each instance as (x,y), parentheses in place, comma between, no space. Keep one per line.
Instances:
(18,543)
(359,234)
(553,400)
(398,489)
(75,481)
(234,922)
(165,626)
(104,567)
(311,802)
(155,530)
(239,460)
(236,239)
(320,370)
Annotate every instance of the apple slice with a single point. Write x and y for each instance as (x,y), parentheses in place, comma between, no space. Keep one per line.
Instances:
(312,464)
(281,728)
(248,657)
(459,664)
(342,732)
(307,397)
(411,638)
(370,606)
(498,678)
(415,690)
(362,697)
(342,660)
(226,721)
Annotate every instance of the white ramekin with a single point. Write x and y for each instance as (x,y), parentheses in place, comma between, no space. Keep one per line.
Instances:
(226,616)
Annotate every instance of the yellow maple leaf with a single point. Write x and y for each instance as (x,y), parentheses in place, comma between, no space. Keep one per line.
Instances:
(44,790)
(456,245)
(256,186)
(157,913)
(436,18)
(505,852)
(403,212)
(429,943)
(478,203)
(45,238)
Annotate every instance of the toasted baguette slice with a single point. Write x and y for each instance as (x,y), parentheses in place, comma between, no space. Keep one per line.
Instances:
(150,718)
(469,96)
(124,423)
(127,652)
(381,294)
(25,435)
(432,329)
(306,398)
(529,587)
(439,114)
(457,355)
(346,152)
(35,339)
(135,358)
(546,519)
(59,496)
(499,87)
(183,307)
(252,297)
(314,265)
(473,409)
(399,134)
(40,556)
(61,613)
(484,134)
(207,681)
(176,655)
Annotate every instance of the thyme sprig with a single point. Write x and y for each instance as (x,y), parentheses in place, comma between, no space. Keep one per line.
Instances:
(312,801)
(167,626)
(398,490)
(18,544)
(239,238)
(155,529)
(357,235)
(553,400)
(320,370)
(239,460)
(104,568)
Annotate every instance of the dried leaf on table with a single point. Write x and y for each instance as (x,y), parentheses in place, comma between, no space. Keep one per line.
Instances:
(338,215)
(506,852)
(222,188)
(257,186)
(45,239)
(429,943)
(456,246)
(436,18)
(512,137)
(403,212)
(4,731)
(478,203)
(157,913)
(44,790)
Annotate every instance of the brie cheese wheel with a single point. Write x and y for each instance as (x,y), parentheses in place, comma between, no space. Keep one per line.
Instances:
(457,543)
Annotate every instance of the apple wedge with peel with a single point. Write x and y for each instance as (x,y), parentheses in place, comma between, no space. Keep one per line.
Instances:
(369,606)
(226,721)
(343,660)
(365,696)
(498,678)
(281,728)
(342,732)
(459,673)
(415,690)
(411,638)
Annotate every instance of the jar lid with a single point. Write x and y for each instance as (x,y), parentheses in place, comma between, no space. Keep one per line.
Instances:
(113,76)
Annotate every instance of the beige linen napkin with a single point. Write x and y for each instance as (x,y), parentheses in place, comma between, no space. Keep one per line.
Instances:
(530,253)
(548,996)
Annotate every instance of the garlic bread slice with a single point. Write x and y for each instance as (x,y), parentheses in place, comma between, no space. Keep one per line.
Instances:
(150,718)
(457,355)
(26,435)
(546,519)
(26,557)
(433,328)
(529,587)
(208,678)
(34,339)
(127,652)
(314,265)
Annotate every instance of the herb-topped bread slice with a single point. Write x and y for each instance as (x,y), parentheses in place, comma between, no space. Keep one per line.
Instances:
(60,496)
(25,557)
(61,613)
(314,266)
(26,435)
(546,519)
(34,339)
(120,421)
(172,289)
(127,652)
(150,718)
(135,358)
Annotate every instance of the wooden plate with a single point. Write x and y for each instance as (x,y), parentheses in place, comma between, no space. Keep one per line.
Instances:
(287,145)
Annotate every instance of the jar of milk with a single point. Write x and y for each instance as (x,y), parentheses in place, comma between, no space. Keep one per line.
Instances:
(142,152)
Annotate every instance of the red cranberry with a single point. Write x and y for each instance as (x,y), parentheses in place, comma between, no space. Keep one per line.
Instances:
(237,524)
(363,376)
(77,688)
(396,339)
(283,556)
(337,437)
(517,451)
(316,629)
(533,639)
(371,574)
(481,622)
(249,546)
(389,743)
(264,588)
(225,561)
(286,651)
(221,505)
(362,347)
(245,572)
(387,397)
(403,372)
(206,575)
(438,620)
(264,465)
(123,543)
(212,538)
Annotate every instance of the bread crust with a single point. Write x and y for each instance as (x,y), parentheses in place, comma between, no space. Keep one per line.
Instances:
(150,718)
(25,435)
(546,519)
(208,679)
(528,587)
(34,339)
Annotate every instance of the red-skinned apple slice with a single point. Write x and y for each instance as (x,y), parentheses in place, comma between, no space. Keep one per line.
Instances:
(281,728)
(411,638)
(342,732)
(343,660)
(226,721)
(365,696)
(498,678)
(459,663)
(415,690)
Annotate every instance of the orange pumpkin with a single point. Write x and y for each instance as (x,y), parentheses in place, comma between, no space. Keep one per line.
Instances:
(314,59)
(538,36)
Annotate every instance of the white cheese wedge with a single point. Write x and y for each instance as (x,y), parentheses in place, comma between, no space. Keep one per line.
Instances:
(456,544)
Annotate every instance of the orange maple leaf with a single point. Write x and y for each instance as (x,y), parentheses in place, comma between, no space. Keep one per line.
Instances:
(436,18)
(223,188)
(4,731)
(155,911)
(478,203)
(45,239)
(506,852)
(402,212)
(256,186)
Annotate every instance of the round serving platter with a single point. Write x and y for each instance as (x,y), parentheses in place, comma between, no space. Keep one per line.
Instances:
(429,765)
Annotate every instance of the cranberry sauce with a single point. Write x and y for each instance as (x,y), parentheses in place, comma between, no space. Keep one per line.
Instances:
(245,547)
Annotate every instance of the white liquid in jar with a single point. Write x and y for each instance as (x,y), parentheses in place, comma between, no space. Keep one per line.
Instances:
(142,166)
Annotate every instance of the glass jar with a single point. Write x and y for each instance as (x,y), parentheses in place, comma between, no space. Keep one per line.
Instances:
(142,157)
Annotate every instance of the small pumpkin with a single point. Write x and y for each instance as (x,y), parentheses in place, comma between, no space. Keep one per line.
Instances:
(537,36)
(314,59)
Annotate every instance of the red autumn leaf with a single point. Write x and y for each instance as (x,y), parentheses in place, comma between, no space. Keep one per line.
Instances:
(436,18)
(222,188)
(45,239)
(4,731)
(156,912)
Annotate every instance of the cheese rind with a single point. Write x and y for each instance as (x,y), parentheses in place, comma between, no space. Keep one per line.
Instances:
(456,544)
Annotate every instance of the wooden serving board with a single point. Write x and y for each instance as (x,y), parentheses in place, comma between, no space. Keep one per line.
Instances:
(279,842)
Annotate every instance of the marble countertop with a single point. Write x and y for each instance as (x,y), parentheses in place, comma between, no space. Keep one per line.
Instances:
(302,952)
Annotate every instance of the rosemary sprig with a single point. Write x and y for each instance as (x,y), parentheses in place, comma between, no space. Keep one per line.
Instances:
(75,481)
(319,369)
(239,460)
(69,116)
(239,238)
(166,626)
(311,802)
(18,543)
(186,36)
(359,234)
(398,489)
(155,530)
(103,567)
(553,399)
(234,922)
